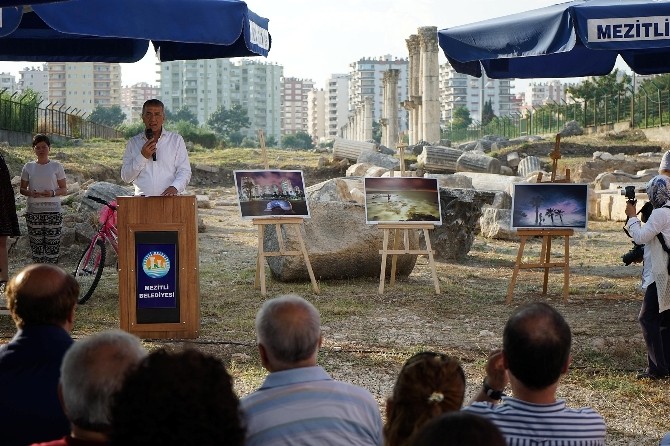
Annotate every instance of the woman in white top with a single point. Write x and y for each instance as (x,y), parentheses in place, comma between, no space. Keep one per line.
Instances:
(43,181)
(655,312)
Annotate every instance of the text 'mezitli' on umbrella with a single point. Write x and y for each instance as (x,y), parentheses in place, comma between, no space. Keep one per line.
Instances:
(120,30)
(572,39)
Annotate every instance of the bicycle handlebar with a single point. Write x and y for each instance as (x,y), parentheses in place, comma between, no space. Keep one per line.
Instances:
(101,201)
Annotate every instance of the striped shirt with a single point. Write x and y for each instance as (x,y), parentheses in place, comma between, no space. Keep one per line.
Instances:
(527,424)
(305,406)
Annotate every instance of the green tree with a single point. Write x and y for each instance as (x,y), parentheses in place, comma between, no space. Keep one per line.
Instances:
(299,141)
(226,122)
(182,114)
(487,113)
(110,116)
(461,118)
(609,85)
(271,141)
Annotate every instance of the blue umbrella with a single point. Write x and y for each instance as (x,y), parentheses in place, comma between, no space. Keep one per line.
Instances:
(573,39)
(120,30)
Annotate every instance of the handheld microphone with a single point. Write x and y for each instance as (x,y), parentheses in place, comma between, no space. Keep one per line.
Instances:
(150,135)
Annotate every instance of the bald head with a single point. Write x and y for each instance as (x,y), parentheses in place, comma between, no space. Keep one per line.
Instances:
(41,294)
(289,328)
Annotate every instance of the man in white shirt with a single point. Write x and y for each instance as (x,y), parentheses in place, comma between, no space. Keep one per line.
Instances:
(156,161)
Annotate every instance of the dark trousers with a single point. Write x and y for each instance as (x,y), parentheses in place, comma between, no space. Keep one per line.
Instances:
(656,333)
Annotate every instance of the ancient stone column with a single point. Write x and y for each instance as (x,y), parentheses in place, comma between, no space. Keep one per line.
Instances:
(430,88)
(390,129)
(367,119)
(414,132)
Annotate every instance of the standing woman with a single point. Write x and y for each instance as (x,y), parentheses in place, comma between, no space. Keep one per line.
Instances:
(9,223)
(43,181)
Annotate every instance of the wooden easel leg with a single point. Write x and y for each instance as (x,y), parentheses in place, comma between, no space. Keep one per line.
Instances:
(382,275)
(394,257)
(566,269)
(431,261)
(547,260)
(260,261)
(315,286)
(517,265)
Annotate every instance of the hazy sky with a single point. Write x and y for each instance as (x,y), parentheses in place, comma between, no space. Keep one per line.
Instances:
(315,38)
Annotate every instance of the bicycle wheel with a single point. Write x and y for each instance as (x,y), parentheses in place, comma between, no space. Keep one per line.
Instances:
(89,269)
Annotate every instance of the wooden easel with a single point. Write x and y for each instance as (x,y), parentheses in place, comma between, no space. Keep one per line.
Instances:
(294,222)
(405,228)
(546,234)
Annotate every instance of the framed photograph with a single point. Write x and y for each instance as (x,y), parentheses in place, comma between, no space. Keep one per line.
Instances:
(271,193)
(550,206)
(402,199)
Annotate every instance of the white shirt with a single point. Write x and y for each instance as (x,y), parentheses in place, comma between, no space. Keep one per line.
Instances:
(659,222)
(41,177)
(151,178)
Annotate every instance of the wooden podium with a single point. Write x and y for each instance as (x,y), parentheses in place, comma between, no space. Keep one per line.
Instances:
(159,290)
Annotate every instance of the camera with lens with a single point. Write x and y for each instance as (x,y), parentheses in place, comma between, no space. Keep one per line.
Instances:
(629,193)
(636,253)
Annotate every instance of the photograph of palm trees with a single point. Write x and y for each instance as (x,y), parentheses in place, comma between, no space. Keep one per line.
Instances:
(402,199)
(550,206)
(271,193)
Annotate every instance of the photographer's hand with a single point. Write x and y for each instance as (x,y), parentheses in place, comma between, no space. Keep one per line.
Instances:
(630,210)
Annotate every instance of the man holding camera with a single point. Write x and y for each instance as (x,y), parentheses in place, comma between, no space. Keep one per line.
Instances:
(655,312)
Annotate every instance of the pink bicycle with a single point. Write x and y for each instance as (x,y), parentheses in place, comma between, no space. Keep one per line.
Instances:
(92,262)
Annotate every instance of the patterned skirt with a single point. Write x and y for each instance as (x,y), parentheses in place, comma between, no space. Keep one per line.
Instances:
(9,223)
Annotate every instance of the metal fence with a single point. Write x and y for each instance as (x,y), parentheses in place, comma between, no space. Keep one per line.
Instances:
(26,115)
(643,109)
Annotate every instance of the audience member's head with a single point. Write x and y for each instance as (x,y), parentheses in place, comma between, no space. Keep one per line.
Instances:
(536,345)
(288,331)
(177,398)
(42,294)
(428,385)
(458,429)
(92,371)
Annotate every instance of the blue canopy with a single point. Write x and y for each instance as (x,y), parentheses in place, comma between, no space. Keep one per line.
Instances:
(577,38)
(120,30)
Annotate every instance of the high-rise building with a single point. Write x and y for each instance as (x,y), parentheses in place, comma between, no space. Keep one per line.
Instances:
(82,86)
(337,103)
(294,104)
(35,79)
(367,81)
(458,90)
(205,85)
(134,97)
(316,114)
(541,93)
(8,83)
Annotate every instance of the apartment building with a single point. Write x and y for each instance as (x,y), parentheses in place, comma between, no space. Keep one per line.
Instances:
(316,114)
(134,96)
(337,103)
(35,79)
(205,85)
(294,105)
(82,86)
(8,83)
(458,90)
(541,93)
(366,80)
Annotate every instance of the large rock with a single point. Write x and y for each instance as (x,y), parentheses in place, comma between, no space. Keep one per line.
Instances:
(477,162)
(572,128)
(497,224)
(529,165)
(451,180)
(489,181)
(378,159)
(340,245)
(358,169)
(337,189)
(461,210)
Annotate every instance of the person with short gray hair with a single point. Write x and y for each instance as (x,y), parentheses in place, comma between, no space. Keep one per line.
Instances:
(93,370)
(299,403)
